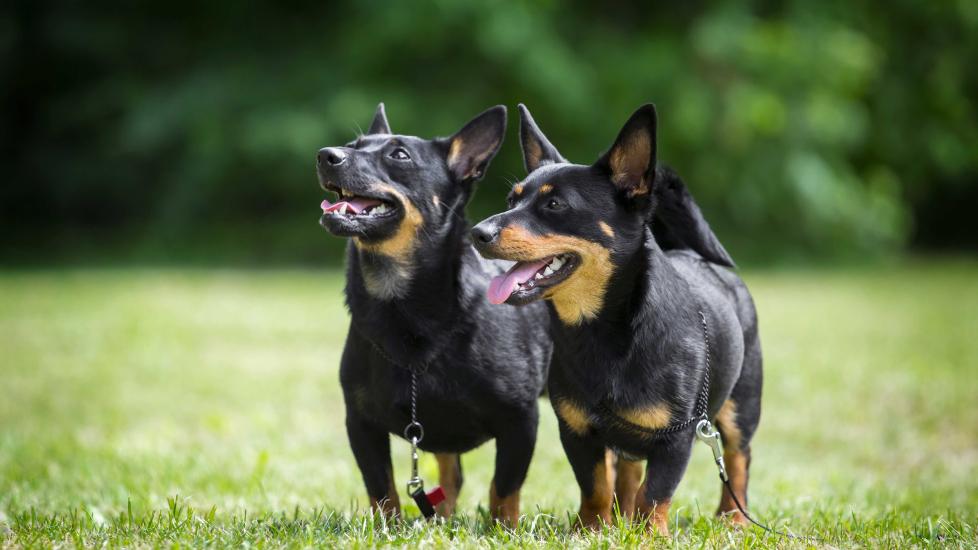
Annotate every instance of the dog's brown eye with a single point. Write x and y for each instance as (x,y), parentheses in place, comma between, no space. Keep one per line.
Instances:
(400,154)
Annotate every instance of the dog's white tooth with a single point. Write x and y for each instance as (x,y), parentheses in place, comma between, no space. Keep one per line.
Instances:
(538,276)
(548,272)
(343,208)
(381,209)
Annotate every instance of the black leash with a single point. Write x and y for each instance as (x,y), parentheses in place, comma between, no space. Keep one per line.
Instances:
(706,433)
(809,538)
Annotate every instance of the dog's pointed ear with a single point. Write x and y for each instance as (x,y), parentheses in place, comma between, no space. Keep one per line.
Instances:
(379,124)
(631,160)
(473,147)
(537,149)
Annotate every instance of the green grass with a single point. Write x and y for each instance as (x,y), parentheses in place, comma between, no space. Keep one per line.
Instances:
(159,407)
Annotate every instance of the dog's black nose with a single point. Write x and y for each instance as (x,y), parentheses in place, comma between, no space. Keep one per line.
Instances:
(484,233)
(331,156)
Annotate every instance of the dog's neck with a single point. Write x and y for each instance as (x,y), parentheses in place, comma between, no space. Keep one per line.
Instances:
(643,289)
(403,303)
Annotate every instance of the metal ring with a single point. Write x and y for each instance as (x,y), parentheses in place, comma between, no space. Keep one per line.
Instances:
(414,484)
(703,429)
(417,426)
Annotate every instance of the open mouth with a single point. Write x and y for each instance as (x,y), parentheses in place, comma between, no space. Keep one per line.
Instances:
(527,281)
(349,205)
(359,215)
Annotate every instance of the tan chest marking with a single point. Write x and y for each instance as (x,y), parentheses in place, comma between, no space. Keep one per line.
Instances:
(654,417)
(574,416)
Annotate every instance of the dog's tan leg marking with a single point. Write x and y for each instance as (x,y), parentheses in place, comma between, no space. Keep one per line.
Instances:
(573,416)
(505,509)
(738,467)
(657,514)
(628,478)
(390,505)
(737,461)
(596,507)
(450,479)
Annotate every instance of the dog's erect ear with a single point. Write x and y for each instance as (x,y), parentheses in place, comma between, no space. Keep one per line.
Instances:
(379,124)
(472,148)
(631,160)
(537,149)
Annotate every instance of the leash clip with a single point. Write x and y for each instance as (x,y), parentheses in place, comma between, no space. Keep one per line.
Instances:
(415,482)
(706,433)
(415,487)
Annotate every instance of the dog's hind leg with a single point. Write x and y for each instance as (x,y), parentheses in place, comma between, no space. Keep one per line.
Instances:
(450,478)
(628,478)
(737,420)
(515,440)
(372,450)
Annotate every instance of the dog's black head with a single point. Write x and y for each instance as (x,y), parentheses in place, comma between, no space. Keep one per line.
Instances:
(389,186)
(568,224)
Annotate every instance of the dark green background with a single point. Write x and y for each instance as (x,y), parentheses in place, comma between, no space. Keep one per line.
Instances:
(186,131)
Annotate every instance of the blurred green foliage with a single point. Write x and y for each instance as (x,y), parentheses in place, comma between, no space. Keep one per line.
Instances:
(187,130)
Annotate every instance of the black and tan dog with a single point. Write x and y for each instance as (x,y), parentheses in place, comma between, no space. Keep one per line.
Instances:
(630,352)
(415,292)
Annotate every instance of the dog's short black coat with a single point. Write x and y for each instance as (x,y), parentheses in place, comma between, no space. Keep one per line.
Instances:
(625,302)
(415,290)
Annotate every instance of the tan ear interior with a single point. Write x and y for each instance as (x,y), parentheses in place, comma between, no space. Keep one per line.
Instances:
(629,162)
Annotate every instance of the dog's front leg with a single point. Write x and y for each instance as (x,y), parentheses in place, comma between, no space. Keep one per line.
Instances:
(594,469)
(515,440)
(666,466)
(372,449)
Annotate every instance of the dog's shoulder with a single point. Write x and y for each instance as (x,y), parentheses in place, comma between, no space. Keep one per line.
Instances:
(716,286)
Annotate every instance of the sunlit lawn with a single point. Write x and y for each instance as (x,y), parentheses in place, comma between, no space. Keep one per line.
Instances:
(143,407)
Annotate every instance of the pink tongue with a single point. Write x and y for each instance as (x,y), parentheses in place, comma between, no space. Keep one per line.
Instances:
(356,204)
(502,286)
